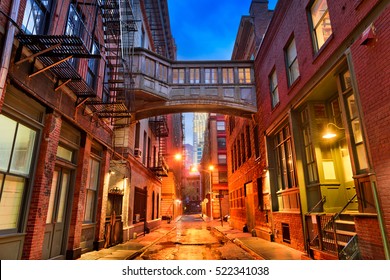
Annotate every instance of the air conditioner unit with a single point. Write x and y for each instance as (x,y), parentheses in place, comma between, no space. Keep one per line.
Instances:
(137,153)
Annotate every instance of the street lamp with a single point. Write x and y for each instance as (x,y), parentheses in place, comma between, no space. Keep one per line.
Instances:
(330,133)
(209,170)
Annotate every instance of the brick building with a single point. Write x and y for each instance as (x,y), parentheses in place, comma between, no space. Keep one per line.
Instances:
(75,173)
(248,195)
(214,155)
(328,194)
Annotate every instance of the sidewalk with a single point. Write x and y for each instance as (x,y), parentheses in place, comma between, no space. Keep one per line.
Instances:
(257,247)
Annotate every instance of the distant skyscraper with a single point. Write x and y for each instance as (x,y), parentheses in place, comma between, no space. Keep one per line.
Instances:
(199,128)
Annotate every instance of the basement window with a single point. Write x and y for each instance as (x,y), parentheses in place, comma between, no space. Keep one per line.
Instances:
(286,233)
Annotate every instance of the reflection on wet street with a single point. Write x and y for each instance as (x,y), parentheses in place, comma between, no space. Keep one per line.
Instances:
(193,240)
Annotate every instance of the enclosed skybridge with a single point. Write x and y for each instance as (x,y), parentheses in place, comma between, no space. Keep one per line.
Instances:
(164,86)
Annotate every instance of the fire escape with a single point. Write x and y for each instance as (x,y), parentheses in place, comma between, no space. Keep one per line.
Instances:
(119,27)
(160,130)
(63,55)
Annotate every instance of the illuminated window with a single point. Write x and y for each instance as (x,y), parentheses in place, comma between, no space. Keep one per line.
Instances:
(178,76)
(244,75)
(227,76)
(321,26)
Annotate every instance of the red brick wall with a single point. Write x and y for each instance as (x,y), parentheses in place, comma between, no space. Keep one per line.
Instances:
(296,229)
(371,247)
(79,195)
(41,189)
(371,65)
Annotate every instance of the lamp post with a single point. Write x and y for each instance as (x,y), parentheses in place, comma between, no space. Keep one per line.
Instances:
(209,170)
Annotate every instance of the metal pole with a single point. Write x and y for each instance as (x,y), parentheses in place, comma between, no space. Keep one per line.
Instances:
(220,207)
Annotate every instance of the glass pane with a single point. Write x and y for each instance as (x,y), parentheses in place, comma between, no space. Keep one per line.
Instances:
(357,132)
(93,174)
(8,128)
(64,153)
(361,153)
(291,52)
(353,112)
(53,191)
(10,203)
(62,198)
(317,10)
(89,205)
(23,149)
(294,71)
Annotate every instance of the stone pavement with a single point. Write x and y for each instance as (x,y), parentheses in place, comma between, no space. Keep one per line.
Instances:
(257,247)
(260,248)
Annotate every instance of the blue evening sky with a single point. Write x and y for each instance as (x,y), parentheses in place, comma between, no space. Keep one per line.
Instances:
(206,30)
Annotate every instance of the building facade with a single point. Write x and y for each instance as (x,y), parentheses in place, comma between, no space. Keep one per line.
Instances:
(214,167)
(327,192)
(249,199)
(76,175)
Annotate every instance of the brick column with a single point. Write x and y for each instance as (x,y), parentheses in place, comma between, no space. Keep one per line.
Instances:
(102,201)
(41,190)
(79,197)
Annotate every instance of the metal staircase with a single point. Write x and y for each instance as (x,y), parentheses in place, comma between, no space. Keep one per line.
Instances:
(160,130)
(333,233)
(119,27)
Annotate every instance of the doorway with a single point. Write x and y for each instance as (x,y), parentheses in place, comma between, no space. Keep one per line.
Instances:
(55,229)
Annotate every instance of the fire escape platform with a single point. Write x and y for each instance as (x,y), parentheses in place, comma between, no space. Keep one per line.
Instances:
(56,45)
(54,52)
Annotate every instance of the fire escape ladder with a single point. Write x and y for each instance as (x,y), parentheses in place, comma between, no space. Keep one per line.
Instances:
(118,98)
(61,53)
(160,129)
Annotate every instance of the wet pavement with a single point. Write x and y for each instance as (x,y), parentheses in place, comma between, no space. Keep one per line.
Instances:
(196,238)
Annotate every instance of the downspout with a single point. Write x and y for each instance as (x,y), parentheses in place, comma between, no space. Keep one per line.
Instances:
(7,48)
(382,225)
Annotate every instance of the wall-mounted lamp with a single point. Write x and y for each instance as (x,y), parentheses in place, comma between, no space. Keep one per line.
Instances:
(111,172)
(330,133)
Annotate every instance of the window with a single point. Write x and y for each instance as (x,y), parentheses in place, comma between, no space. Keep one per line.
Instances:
(162,72)
(222,159)
(353,119)
(194,75)
(310,160)
(222,175)
(93,67)
(244,75)
(321,26)
(92,187)
(17,143)
(284,159)
(178,76)
(74,27)
(227,76)
(36,16)
(149,67)
(257,141)
(273,84)
(220,126)
(292,62)
(221,142)
(248,142)
(210,76)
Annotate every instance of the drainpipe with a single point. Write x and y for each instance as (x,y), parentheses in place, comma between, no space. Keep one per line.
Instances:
(8,44)
(382,225)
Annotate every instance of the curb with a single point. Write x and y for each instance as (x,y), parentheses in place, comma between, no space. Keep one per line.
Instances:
(240,244)
(143,249)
